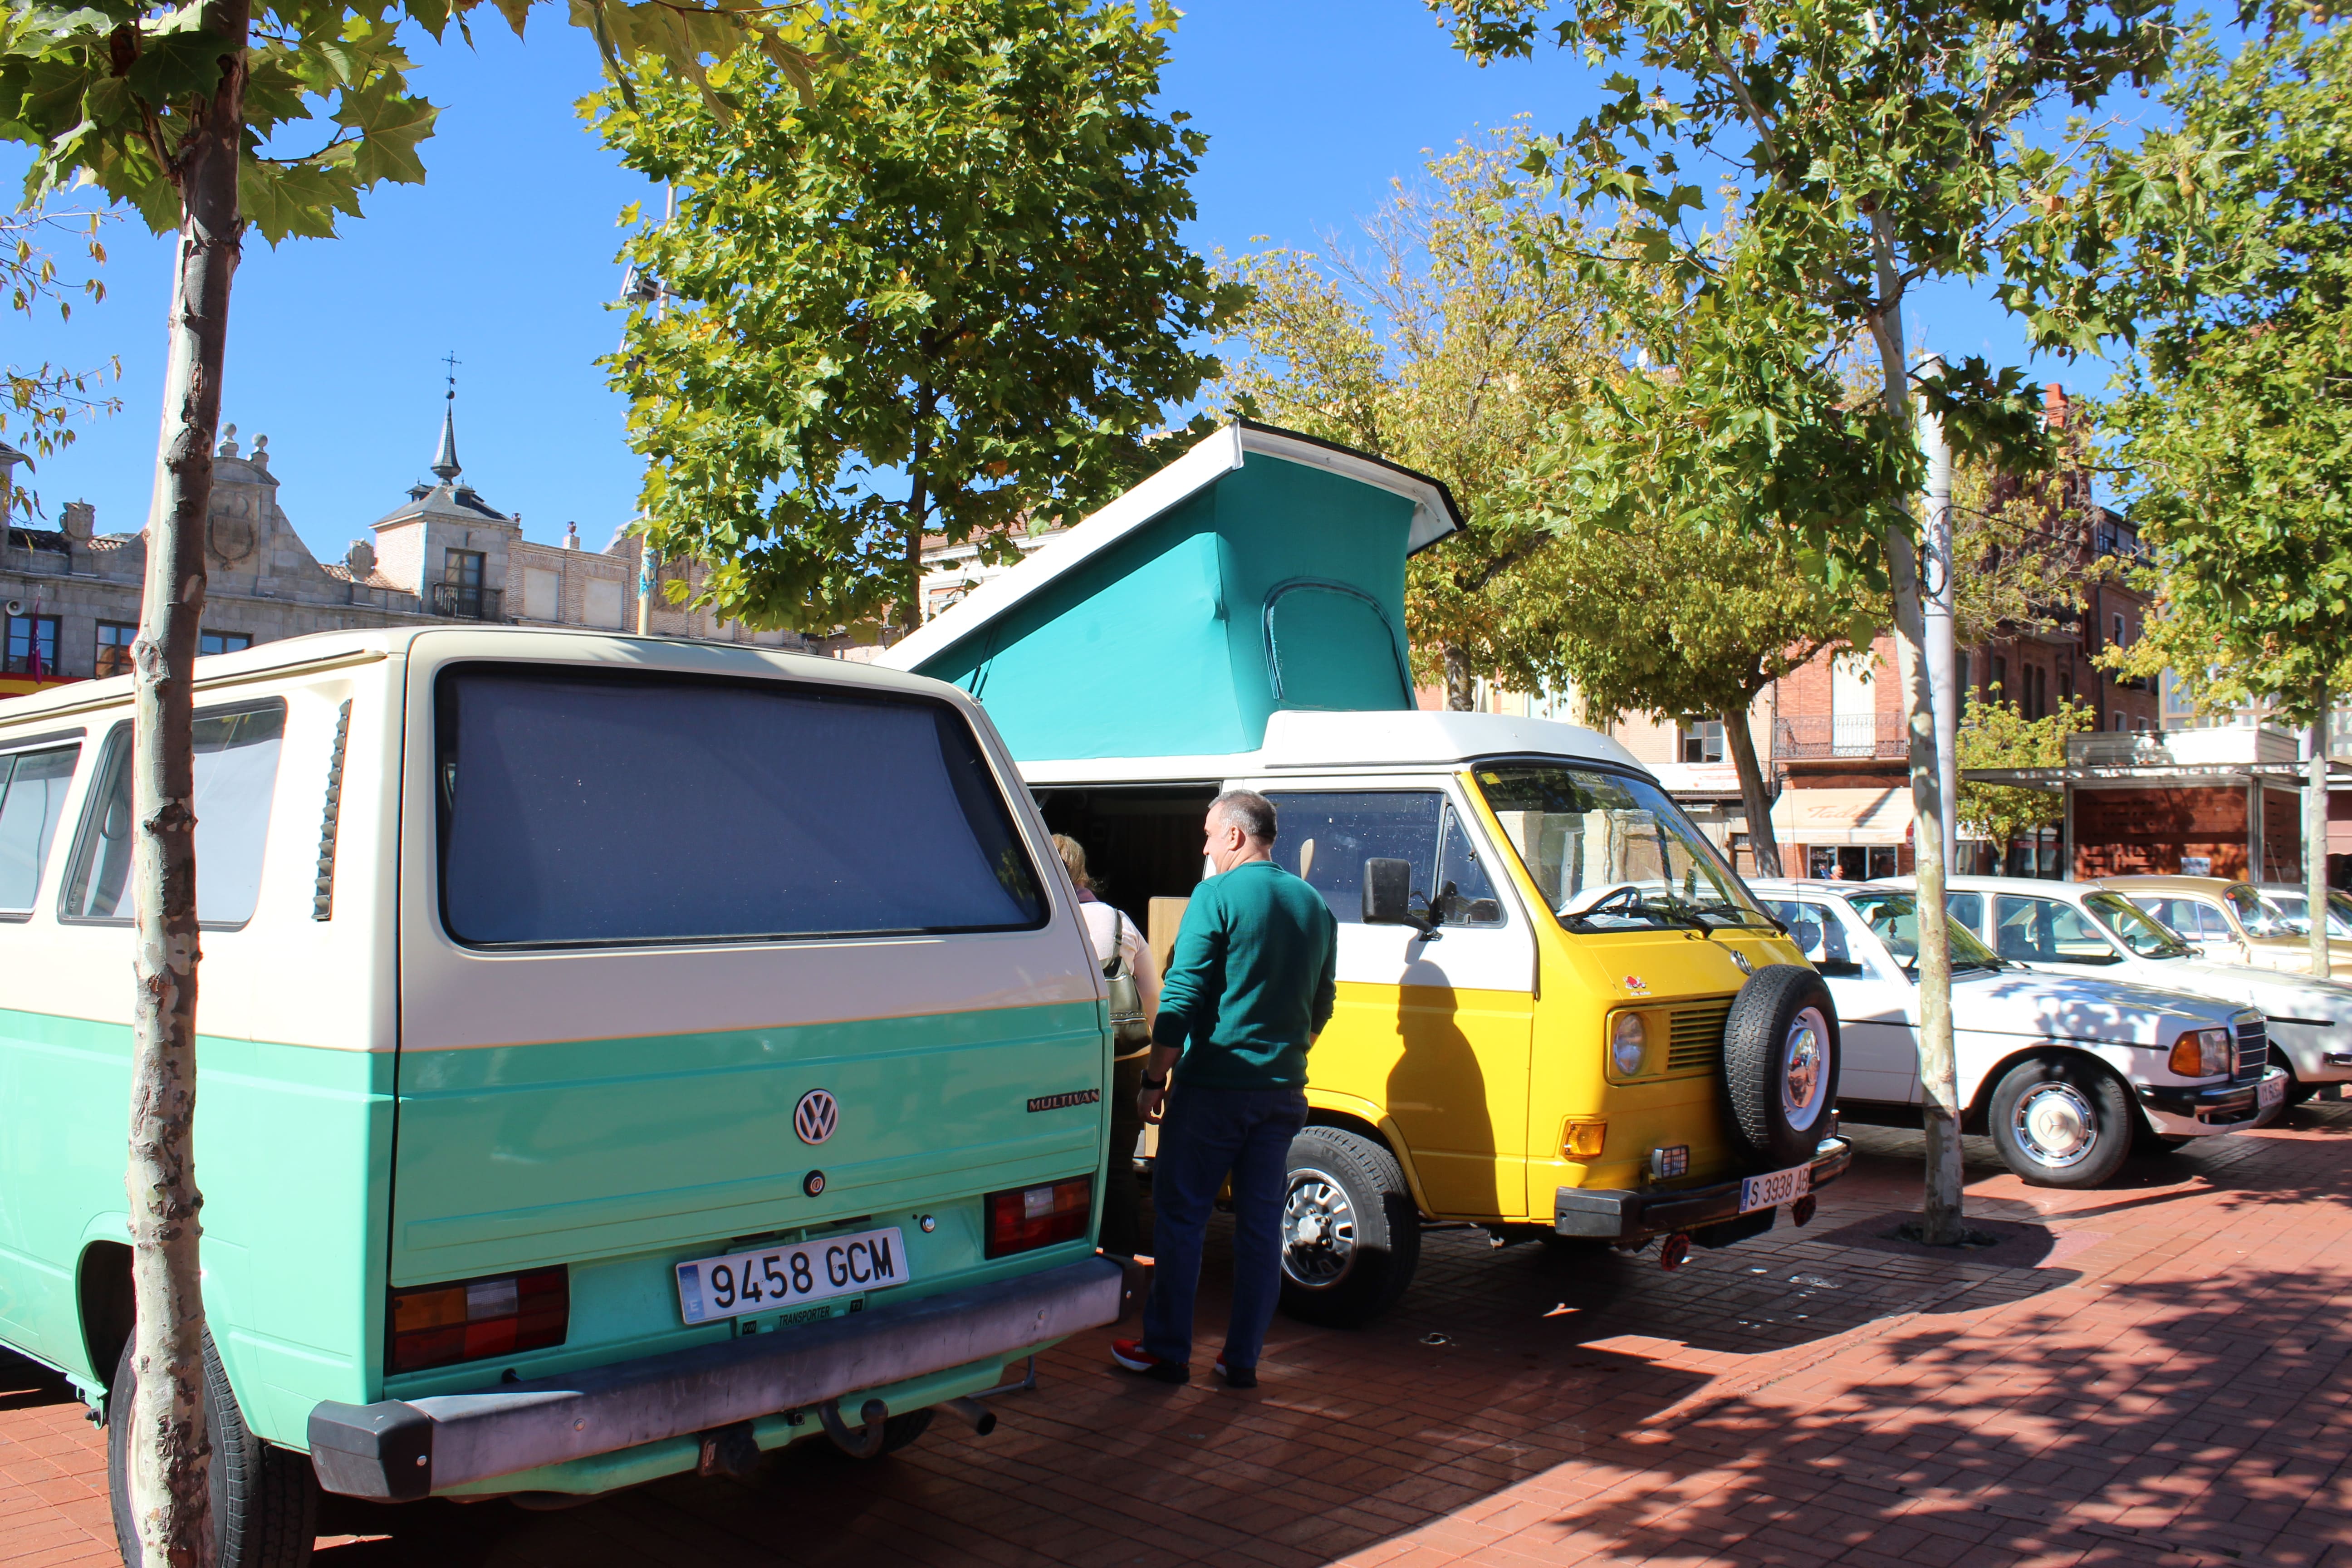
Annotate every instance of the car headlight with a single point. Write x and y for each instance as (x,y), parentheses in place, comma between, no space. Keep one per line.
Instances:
(2201,1053)
(1628,1044)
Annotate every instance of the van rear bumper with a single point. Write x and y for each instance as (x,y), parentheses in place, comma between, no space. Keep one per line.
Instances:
(1629,1214)
(400,1450)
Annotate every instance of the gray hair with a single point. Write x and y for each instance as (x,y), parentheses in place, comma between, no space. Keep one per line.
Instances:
(1247,810)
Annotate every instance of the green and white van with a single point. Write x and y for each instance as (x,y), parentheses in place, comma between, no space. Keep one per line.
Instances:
(617,1056)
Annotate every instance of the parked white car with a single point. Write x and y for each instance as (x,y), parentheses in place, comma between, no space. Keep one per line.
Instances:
(2063,1071)
(2080,928)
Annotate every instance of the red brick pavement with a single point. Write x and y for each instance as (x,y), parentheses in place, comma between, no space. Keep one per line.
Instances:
(2169,1388)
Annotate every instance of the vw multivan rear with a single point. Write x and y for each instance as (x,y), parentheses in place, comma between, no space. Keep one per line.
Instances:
(625,1057)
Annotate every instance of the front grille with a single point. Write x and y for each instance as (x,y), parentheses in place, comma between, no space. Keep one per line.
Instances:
(2254,1048)
(1695,1036)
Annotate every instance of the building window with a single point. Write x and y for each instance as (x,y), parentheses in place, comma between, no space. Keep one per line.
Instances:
(2065,691)
(2118,629)
(114,639)
(1699,739)
(1960,669)
(459,592)
(2118,717)
(2001,693)
(32,646)
(222,642)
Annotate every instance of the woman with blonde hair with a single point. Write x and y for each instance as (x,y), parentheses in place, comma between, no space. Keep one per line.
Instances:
(1123,953)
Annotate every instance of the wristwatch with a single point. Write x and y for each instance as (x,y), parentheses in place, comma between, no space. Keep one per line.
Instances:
(1159,1082)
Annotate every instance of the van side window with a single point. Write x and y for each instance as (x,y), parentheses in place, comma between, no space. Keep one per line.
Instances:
(1967,908)
(1325,837)
(32,793)
(236,775)
(579,809)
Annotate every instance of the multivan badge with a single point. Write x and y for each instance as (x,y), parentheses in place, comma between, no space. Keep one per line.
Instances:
(816,1116)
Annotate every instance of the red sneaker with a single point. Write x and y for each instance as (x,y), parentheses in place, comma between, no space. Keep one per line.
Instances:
(1237,1376)
(1130,1355)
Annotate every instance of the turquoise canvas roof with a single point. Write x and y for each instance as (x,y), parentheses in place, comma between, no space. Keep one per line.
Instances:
(1263,571)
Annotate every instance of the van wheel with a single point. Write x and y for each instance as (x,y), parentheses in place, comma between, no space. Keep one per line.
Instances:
(265,1498)
(1781,1064)
(1351,1234)
(2063,1123)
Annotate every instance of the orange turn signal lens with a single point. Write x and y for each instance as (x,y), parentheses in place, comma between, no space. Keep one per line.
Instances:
(1582,1140)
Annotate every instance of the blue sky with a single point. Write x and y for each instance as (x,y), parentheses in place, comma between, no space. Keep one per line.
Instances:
(505,257)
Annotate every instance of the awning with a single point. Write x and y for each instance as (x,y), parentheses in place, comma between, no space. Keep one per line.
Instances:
(1827,817)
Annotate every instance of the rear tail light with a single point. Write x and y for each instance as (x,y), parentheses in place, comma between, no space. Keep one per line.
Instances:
(1030,1218)
(434,1325)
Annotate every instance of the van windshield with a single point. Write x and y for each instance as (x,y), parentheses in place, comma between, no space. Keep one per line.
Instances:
(1612,853)
(580,807)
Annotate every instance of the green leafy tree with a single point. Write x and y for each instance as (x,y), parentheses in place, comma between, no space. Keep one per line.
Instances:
(942,293)
(206,117)
(1996,734)
(2232,281)
(1880,147)
(1445,348)
(41,404)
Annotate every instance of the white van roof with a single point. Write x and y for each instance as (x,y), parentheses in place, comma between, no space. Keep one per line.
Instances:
(1298,740)
(364,645)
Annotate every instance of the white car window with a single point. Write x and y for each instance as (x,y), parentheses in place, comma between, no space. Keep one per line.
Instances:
(2048,931)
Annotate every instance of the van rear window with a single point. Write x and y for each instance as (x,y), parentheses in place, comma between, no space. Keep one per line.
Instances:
(619,807)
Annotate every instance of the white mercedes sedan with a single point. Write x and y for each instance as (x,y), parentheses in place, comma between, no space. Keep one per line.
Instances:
(2063,1071)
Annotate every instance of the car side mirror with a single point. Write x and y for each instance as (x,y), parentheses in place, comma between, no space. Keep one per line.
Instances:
(1388,895)
(1839,968)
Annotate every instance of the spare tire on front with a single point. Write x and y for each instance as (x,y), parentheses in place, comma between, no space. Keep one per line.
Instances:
(1781,1064)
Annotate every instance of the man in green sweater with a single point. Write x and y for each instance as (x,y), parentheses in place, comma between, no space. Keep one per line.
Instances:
(1248,988)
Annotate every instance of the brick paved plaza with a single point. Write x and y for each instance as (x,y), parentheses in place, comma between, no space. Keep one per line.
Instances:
(2150,1375)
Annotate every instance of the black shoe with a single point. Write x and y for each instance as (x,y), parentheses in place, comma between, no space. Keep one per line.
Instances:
(1237,1376)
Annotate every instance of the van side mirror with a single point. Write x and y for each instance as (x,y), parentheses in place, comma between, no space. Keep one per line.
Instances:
(1388,892)
(1388,895)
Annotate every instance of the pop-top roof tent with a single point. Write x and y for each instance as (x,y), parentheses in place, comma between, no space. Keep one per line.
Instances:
(1263,571)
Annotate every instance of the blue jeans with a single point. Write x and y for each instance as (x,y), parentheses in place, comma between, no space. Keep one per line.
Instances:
(1206,1133)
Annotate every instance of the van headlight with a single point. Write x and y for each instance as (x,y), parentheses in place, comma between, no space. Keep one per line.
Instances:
(1628,1044)
(2201,1053)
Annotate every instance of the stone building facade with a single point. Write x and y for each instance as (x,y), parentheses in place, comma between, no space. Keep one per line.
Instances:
(444,555)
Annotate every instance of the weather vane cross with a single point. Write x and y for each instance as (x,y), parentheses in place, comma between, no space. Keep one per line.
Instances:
(453,362)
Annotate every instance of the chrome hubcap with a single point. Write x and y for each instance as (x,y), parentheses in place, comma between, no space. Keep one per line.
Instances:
(1319,1229)
(1805,1068)
(2056,1125)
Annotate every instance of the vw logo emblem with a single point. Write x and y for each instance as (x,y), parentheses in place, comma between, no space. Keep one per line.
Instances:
(815,1116)
(1740,959)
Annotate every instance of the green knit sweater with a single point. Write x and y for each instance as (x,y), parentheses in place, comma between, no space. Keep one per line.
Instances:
(1250,983)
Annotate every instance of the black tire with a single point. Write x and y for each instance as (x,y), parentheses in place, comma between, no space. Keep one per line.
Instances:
(1780,1055)
(2297,1091)
(1351,1234)
(2060,1121)
(265,1499)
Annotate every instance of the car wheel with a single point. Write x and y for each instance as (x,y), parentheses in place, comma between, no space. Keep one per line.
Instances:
(1350,1232)
(265,1498)
(2062,1123)
(2297,1091)
(1781,1064)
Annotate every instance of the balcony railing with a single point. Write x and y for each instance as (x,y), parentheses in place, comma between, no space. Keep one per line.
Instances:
(1844,735)
(467,602)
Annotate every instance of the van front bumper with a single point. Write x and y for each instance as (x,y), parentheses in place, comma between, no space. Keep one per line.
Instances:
(1629,1215)
(399,1450)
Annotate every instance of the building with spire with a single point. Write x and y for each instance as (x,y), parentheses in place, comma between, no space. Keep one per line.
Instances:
(444,555)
